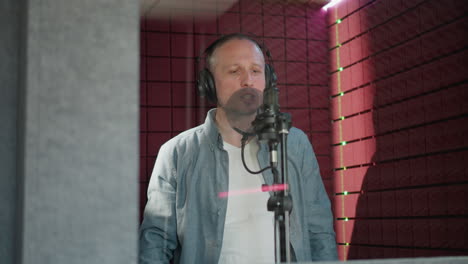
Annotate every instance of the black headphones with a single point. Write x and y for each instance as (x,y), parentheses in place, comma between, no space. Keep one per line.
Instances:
(205,82)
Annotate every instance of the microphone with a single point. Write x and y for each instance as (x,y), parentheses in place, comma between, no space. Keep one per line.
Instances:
(265,123)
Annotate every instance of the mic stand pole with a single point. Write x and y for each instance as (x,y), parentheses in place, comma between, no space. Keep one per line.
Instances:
(281,203)
(272,126)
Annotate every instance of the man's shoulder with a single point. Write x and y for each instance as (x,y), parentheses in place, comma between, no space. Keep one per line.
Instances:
(185,139)
(297,136)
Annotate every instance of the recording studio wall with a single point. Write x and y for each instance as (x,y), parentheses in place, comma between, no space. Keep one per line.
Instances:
(297,37)
(398,86)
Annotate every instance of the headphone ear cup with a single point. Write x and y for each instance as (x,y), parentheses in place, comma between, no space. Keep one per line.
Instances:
(206,86)
(270,75)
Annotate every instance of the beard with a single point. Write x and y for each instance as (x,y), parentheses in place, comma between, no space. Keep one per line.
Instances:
(241,108)
(242,103)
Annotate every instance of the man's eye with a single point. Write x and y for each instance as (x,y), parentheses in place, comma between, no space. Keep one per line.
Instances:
(233,71)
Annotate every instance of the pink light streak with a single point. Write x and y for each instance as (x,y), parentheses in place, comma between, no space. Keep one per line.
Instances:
(264,188)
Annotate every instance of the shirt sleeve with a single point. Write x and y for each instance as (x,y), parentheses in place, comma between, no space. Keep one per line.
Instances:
(319,216)
(158,231)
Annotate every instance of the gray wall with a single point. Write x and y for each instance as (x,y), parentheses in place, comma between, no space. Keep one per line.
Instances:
(77,151)
(9,83)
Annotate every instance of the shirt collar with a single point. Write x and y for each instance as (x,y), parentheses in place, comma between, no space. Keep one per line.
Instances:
(212,131)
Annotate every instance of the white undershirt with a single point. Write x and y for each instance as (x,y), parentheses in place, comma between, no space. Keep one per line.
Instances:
(248,229)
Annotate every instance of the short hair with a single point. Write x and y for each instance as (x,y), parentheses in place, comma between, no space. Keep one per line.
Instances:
(209,51)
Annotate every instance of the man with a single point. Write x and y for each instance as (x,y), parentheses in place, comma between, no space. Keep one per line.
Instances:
(187,219)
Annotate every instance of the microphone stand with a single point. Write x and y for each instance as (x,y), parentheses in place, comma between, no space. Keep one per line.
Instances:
(273,126)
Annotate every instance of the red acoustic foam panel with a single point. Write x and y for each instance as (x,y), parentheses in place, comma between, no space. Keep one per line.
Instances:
(316,26)
(457,200)
(317,73)
(250,7)
(457,231)
(283,96)
(142,43)
(143,119)
(298,96)
(276,48)
(296,27)
(389,232)
(296,50)
(403,205)
(343,30)
(320,120)
(205,26)
(183,119)
(143,143)
(158,44)
(453,69)
(159,119)
(300,118)
(183,94)
(182,45)
(294,9)
(201,42)
(143,92)
(182,69)
(143,69)
(183,25)
(438,233)
(251,24)
(143,171)
(229,23)
(325,168)
(153,24)
(375,228)
(357,98)
(347,105)
(344,53)
(355,49)
(354,25)
(274,26)
(454,166)
(317,51)
(318,96)
(360,150)
(437,198)
(155,141)
(158,69)
(321,143)
(296,72)
(361,231)
(345,229)
(159,94)
(348,156)
(413,82)
(273,8)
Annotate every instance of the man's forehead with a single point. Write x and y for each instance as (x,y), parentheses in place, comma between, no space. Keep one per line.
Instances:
(238,48)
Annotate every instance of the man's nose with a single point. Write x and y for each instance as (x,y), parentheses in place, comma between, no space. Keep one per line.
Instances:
(247,79)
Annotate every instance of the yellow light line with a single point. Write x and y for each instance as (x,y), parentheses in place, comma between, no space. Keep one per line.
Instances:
(340,131)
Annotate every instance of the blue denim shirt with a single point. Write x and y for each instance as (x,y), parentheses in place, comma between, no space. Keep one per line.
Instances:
(184,218)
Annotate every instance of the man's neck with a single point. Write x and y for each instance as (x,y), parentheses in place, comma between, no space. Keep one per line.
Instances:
(226,124)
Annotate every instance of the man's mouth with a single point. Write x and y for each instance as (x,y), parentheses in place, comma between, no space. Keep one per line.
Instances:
(248,96)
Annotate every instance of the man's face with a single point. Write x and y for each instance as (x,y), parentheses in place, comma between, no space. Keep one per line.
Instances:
(238,67)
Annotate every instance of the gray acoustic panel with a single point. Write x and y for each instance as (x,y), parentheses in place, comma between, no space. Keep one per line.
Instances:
(79,169)
(9,86)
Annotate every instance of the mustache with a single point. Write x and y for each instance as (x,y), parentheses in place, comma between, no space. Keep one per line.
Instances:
(249,91)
